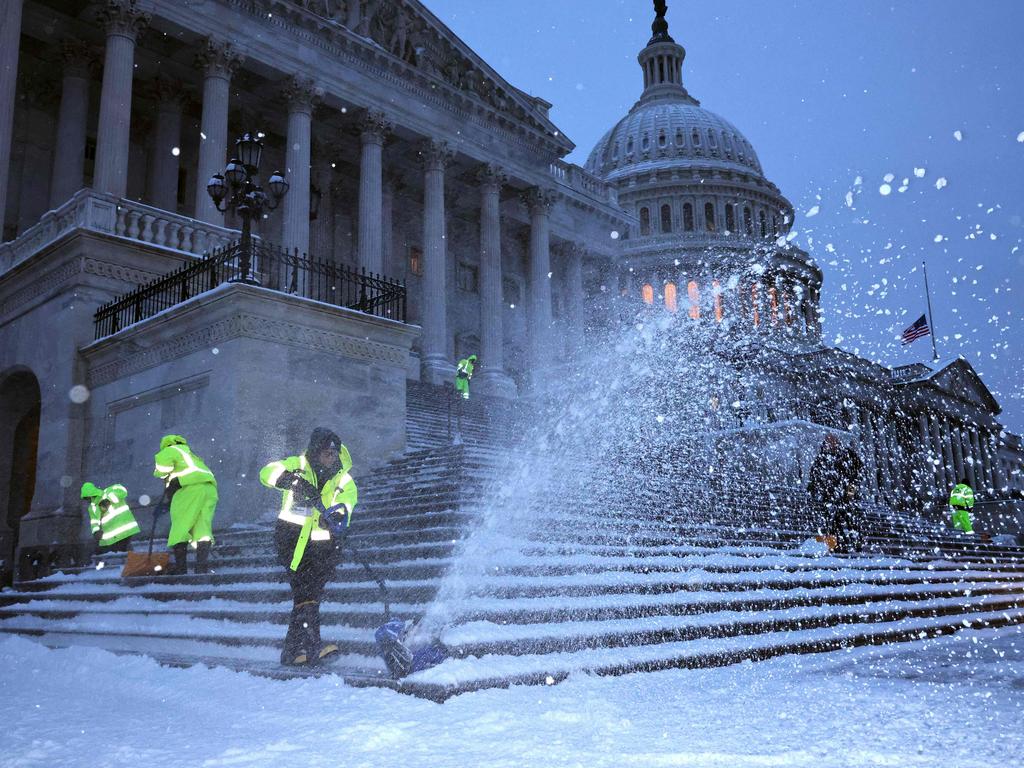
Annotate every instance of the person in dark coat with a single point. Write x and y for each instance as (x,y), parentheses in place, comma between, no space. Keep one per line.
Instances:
(834,486)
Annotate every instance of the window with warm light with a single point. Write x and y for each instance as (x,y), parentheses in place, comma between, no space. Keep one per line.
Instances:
(648,293)
(671,301)
(773,301)
(716,289)
(694,293)
(754,305)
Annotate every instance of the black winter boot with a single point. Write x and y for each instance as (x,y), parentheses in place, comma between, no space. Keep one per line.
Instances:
(202,558)
(180,567)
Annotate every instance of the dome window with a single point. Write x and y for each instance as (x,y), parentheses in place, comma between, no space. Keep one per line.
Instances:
(764,223)
(666,218)
(712,141)
(687,217)
(694,293)
(648,293)
(645,221)
(629,146)
(739,148)
(671,301)
(748,220)
(695,136)
(716,290)
(662,139)
(709,217)
(679,137)
(727,143)
(730,218)
(615,151)
(645,142)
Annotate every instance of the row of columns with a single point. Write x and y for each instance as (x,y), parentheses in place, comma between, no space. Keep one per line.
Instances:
(956,451)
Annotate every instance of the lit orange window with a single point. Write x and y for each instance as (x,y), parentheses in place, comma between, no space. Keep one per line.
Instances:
(670,297)
(716,288)
(773,299)
(694,293)
(754,305)
(648,293)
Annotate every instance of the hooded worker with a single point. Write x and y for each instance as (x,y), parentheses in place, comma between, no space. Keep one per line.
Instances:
(193,492)
(962,501)
(317,498)
(463,374)
(110,519)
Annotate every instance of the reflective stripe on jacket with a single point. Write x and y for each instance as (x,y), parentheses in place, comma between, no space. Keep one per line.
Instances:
(176,460)
(117,521)
(962,496)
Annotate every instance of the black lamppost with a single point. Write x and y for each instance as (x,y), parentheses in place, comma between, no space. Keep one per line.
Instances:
(239,188)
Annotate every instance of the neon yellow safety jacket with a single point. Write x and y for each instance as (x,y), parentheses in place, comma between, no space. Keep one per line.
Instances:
(339,489)
(464,370)
(962,497)
(176,460)
(117,522)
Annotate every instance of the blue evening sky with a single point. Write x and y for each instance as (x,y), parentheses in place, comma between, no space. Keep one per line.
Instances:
(827,92)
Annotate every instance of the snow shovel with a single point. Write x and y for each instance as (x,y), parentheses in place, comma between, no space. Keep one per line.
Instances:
(138,564)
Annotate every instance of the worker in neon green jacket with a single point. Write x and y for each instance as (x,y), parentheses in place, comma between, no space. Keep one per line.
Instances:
(193,490)
(110,519)
(962,502)
(308,545)
(463,374)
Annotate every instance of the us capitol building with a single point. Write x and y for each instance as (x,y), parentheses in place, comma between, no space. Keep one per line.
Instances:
(418,176)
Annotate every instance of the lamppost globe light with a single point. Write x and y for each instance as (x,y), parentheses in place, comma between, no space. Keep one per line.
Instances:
(216,188)
(250,151)
(234,173)
(278,185)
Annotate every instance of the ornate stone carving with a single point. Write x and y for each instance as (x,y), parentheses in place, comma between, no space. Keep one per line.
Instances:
(218,58)
(77,58)
(374,126)
(434,155)
(123,17)
(539,200)
(166,91)
(301,93)
(491,176)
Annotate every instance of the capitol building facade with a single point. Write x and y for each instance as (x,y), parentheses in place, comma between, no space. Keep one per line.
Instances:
(416,174)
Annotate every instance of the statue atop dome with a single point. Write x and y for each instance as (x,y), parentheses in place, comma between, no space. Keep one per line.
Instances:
(660,25)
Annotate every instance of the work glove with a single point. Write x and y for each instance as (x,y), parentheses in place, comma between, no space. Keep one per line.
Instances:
(335,520)
(173,487)
(284,482)
(97,536)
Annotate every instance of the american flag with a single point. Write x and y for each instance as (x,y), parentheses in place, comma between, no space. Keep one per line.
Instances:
(917,330)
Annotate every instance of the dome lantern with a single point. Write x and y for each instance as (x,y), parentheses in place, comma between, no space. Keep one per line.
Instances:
(662,62)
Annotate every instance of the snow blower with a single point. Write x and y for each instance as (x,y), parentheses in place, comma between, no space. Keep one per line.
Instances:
(138,564)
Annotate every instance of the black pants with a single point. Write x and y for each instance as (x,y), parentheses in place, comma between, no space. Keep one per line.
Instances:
(845,528)
(307,583)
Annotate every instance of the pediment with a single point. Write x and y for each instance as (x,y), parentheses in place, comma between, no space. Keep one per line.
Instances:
(961,381)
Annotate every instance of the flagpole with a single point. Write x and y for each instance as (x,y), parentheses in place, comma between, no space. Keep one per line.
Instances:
(931,322)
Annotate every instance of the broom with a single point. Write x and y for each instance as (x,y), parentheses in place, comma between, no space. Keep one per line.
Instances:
(138,564)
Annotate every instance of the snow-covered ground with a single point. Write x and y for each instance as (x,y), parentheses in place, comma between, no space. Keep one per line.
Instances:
(955,702)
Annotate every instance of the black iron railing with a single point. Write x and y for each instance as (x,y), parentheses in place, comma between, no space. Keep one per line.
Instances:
(267,266)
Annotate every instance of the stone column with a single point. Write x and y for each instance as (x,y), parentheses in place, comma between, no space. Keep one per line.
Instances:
(124,22)
(868,446)
(373,130)
(574,288)
(929,477)
(10,42)
(301,95)
(538,315)
(491,379)
(975,470)
(949,478)
(68,174)
(387,225)
(998,476)
(436,366)
(218,61)
(162,181)
(958,452)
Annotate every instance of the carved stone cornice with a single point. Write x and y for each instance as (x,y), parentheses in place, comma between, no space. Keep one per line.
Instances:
(123,18)
(374,127)
(78,59)
(301,94)
(434,154)
(491,177)
(218,58)
(168,93)
(539,200)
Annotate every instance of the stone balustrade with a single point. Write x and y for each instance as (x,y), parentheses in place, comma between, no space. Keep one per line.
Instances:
(579,180)
(126,219)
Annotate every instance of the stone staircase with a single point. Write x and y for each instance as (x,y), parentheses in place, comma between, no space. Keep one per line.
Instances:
(433,418)
(666,576)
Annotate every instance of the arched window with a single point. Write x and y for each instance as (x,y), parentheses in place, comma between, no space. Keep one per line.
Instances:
(764,223)
(716,290)
(645,142)
(748,220)
(666,218)
(739,148)
(712,139)
(755,305)
(709,217)
(694,293)
(679,137)
(615,151)
(629,146)
(773,302)
(730,218)
(727,142)
(662,139)
(671,303)
(645,221)
(687,217)
(695,137)
(647,292)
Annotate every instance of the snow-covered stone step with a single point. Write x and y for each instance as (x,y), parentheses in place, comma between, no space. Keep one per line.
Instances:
(480,637)
(474,673)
